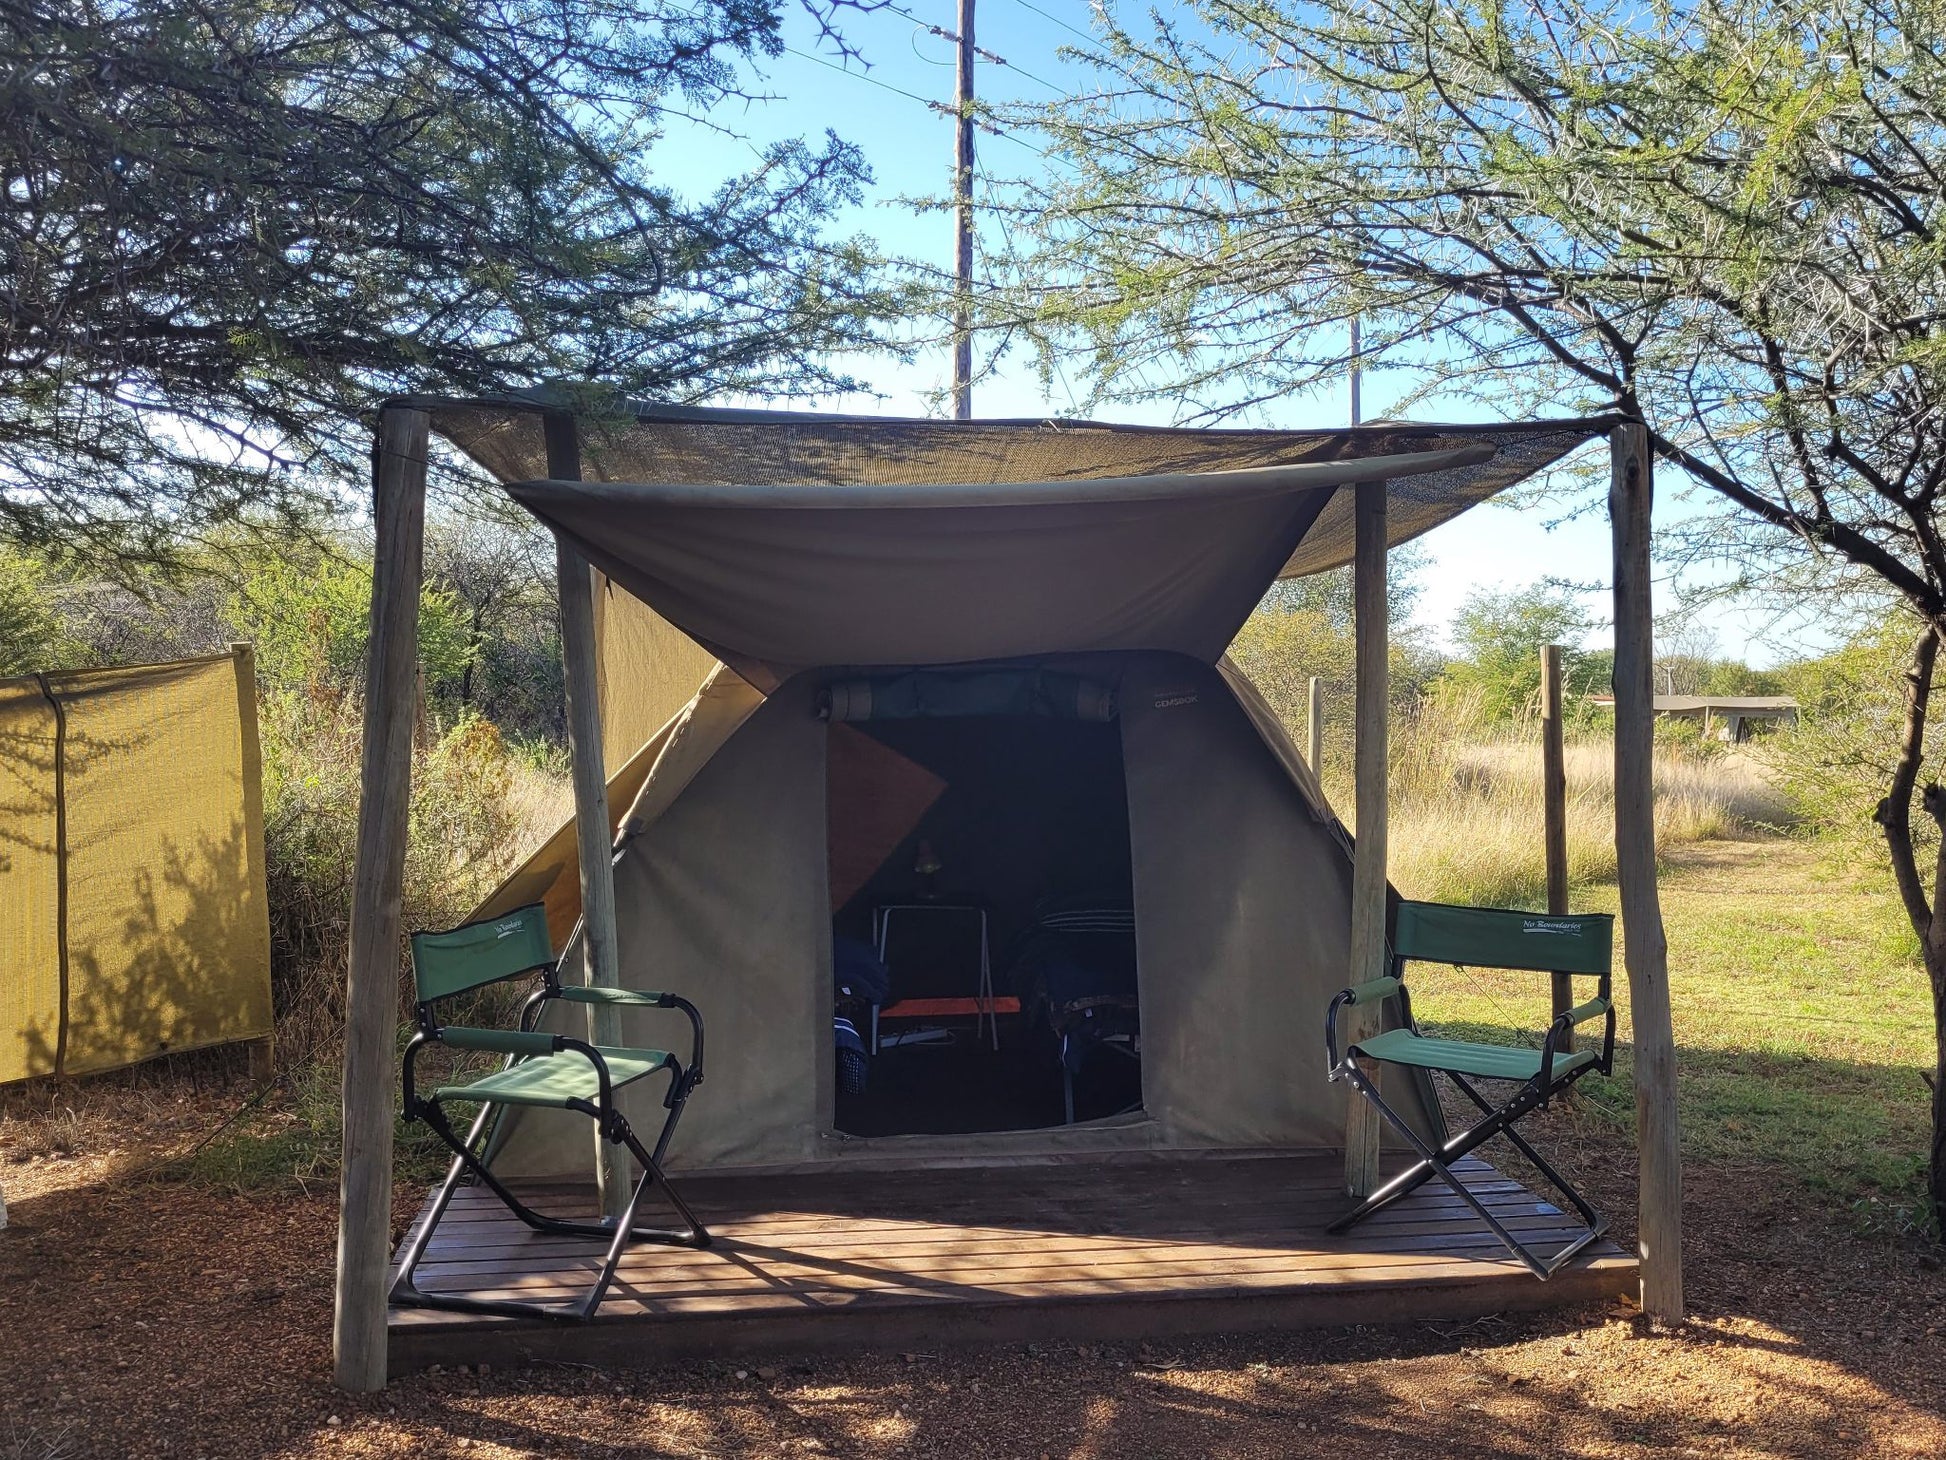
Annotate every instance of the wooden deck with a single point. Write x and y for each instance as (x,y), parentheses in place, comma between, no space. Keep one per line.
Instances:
(1133,1248)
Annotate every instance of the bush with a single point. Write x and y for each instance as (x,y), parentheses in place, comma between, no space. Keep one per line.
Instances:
(475,811)
(32,634)
(1835,763)
(310,617)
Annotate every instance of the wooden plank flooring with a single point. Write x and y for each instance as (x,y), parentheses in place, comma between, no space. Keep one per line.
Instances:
(1079,1249)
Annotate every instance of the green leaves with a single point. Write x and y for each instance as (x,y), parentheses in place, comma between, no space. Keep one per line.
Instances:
(309,615)
(1498,639)
(234,227)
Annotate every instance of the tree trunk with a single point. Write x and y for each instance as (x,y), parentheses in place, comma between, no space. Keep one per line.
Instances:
(1933,945)
(1936,1163)
(1894,816)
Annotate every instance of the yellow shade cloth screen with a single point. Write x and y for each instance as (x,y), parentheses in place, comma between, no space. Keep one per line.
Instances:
(133,916)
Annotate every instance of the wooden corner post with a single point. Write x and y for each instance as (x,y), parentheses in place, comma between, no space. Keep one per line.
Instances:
(1554,811)
(601,964)
(372,976)
(1368,882)
(1314,729)
(1630,495)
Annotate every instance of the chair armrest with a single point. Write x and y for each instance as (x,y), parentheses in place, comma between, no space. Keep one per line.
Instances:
(1593,1009)
(642,999)
(1372,991)
(500,1041)
(583,994)
(1557,1032)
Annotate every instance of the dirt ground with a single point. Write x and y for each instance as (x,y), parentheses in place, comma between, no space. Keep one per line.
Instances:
(140,1318)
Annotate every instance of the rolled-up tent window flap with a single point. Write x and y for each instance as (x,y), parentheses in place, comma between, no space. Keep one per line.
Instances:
(919,694)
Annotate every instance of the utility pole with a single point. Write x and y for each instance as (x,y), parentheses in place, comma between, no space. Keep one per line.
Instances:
(963,220)
(1357,368)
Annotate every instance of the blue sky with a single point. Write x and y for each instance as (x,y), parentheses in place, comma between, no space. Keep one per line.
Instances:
(879,104)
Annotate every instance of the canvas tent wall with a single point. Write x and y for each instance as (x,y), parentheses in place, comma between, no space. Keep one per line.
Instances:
(797,548)
(648,670)
(1242,883)
(131,866)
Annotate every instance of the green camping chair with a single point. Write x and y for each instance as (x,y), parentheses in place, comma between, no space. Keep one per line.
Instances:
(554,1071)
(1484,938)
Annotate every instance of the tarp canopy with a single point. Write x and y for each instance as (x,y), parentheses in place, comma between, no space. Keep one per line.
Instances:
(787,540)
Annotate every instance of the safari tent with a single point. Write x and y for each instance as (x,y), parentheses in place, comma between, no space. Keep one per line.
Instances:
(975,664)
(932,610)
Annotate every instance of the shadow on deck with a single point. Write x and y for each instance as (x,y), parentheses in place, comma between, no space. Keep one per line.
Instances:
(1126,1249)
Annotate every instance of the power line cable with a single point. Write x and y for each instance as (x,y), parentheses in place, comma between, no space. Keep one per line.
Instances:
(1045,15)
(1007,236)
(981,51)
(936,106)
(870,80)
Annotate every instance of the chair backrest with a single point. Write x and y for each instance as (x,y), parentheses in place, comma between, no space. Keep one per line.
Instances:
(1491,937)
(462,958)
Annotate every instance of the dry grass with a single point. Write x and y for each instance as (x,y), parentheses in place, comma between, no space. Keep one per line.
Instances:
(1467,819)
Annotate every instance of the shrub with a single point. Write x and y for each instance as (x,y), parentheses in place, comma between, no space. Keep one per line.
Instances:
(32,634)
(1835,763)
(475,811)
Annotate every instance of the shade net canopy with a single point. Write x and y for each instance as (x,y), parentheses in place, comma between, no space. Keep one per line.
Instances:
(785,540)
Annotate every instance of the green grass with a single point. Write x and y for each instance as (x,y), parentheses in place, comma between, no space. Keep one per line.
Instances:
(1802,1022)
(290,1141)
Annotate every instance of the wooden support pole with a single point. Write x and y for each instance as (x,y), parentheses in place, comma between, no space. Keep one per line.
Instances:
(963,164)
(262,1051)
(1368,881)
(601,966)
(1314,728)
(1659,1224)
(1554,810)
(378,875)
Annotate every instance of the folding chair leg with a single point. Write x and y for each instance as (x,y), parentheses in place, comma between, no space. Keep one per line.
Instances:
(1435,1163)
(620,1233)
(1594,1221)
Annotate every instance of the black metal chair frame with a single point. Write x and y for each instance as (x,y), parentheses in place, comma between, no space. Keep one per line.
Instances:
(613,1127)
(1497,1120)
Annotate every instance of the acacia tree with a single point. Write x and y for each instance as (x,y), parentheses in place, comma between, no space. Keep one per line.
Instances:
(231,226)
(1722,217)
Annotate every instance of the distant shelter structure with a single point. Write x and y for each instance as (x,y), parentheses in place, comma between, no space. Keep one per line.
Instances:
(1733,719)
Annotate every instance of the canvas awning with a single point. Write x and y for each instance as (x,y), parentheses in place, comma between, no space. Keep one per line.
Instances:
(788,539)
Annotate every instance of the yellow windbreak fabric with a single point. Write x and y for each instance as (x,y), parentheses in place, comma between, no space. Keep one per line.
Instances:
(167,924)
(30,937)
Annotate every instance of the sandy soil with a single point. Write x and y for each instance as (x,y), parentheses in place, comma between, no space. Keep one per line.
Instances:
(142,1318)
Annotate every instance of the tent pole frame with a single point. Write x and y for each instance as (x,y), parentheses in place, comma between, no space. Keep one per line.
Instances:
(1645,947)
(378,878)
(1371,627)
(594,842)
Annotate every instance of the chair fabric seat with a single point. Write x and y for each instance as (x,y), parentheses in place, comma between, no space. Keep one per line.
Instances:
(1485,1061)
(558,1079)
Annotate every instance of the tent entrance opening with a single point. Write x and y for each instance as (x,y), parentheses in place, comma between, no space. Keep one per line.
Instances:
(984,927)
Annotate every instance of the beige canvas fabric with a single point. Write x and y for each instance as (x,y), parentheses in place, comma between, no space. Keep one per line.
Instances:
(150,816)
(721,896)
(627,441)
(1242,914)
(801,576)
(798,547)
(668,759)
(648,670)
